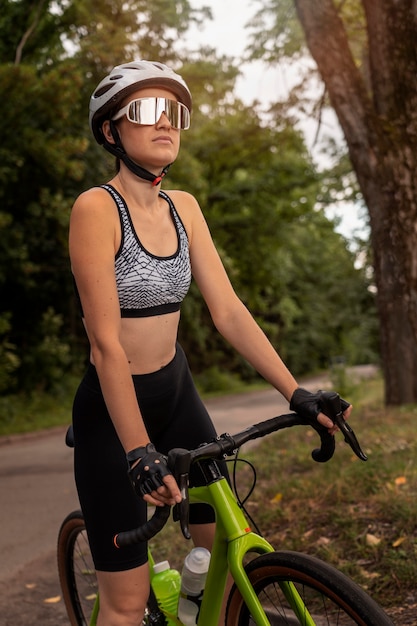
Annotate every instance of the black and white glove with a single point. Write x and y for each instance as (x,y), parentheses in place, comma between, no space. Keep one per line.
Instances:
(147,474)
(308,404)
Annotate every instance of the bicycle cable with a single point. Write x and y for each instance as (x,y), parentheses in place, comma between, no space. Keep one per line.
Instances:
(240,501)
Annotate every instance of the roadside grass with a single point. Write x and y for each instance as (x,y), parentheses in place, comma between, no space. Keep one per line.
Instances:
(360,517)
(38,411)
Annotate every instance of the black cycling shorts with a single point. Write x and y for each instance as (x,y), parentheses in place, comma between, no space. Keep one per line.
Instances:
(174,416)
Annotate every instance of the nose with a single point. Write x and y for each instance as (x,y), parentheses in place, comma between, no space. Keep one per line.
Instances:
(163,121)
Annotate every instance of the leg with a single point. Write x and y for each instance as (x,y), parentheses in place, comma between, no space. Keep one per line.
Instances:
(123,596)
(203,535)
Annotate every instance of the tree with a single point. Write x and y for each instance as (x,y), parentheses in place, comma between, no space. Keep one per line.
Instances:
(255,181)
(366,53)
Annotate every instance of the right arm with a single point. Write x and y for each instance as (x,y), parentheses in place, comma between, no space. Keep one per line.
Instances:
(93,243)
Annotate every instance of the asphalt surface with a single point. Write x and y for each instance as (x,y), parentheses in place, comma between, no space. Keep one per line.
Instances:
(37,491)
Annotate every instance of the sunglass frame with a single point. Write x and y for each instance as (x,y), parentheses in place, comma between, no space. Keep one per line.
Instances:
(148,111)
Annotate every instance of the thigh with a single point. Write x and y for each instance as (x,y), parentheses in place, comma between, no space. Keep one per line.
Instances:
(108,502)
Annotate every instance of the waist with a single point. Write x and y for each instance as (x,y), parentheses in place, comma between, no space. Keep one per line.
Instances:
(148,342)
(155,381)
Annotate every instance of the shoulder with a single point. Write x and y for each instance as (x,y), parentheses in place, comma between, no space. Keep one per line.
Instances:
(187,208)
(93,200)
(94,221)
(94,207)
(183,201)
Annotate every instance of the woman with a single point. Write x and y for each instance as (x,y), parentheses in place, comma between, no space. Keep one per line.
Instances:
(133,250)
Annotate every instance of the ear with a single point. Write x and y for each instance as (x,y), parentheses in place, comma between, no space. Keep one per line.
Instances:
(106,130)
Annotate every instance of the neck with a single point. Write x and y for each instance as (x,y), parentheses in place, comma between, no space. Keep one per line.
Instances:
(135,188)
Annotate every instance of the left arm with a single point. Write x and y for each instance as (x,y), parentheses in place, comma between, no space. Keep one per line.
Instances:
(230,316)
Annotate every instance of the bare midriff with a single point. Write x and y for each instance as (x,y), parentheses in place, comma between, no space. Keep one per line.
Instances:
(149,342)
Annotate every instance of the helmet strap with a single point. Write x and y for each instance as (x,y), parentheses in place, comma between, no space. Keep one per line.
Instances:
(118,151)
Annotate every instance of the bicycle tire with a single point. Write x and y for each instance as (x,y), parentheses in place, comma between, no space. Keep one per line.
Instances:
(76,570)
(78,577)
(330,597)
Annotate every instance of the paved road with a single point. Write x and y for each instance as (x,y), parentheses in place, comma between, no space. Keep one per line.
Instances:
(37,491)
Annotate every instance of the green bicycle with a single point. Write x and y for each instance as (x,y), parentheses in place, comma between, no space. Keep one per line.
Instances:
(273,588)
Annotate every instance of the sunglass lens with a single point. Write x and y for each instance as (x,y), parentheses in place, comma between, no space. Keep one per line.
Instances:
(147,111)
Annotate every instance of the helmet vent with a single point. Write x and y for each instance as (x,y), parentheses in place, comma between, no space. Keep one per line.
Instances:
(102,90)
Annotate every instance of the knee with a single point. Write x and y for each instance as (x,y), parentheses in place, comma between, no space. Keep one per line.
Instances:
(123,608)
(123,596)
(131,615)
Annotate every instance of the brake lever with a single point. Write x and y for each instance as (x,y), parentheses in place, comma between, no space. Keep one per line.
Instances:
(331,405)
(181,511)
(179,461)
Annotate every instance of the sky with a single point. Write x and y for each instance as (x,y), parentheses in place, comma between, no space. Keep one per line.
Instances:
(228,33)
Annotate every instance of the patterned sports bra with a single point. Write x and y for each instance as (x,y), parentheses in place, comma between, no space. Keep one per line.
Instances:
(149,285)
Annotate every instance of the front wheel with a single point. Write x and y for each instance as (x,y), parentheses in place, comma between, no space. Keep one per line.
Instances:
(78,579)
(328,597)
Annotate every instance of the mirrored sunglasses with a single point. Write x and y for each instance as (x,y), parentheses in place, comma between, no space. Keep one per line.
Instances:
(147,111)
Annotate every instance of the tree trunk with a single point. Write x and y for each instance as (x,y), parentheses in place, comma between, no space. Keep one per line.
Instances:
(379,121)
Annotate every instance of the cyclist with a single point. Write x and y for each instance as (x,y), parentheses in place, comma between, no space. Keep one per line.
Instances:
(133,251)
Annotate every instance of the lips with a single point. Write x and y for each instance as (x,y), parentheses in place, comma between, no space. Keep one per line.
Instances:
(163,139)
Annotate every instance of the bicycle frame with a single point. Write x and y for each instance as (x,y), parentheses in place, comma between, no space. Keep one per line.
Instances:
(233,540)
(232,531)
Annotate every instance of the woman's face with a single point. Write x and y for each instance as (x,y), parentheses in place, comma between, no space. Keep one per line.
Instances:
(154,146)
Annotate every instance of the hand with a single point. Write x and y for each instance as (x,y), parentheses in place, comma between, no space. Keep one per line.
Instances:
(151,477)
(307,404)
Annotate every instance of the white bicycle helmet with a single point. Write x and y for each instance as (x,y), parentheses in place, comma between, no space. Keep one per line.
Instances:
(127,78)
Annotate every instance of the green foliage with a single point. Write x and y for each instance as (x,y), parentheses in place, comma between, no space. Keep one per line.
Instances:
(275,31)
(46,157)
(9,361)
(48,360)
(325,285)
(40,169)
(365,54)
(287,263)
(31,30)
(213,380)
(37,410)
(252,174)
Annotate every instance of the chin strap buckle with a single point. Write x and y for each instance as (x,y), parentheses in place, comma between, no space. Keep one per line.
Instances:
(158,179)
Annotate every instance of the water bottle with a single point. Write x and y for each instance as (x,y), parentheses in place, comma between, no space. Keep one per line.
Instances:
(166,584)
(193,579)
